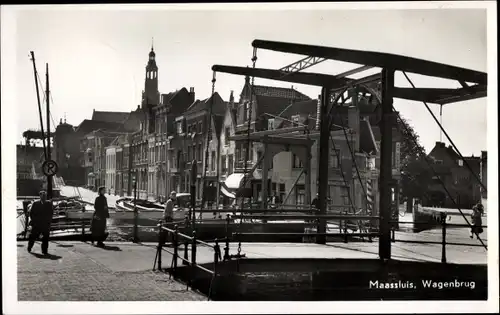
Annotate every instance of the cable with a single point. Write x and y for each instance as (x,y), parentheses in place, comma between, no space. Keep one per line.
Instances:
(209,138)
(448,137)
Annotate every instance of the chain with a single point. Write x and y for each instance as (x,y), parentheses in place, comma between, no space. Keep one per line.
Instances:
(209,135)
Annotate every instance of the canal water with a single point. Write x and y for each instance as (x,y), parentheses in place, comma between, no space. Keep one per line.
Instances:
(332,281)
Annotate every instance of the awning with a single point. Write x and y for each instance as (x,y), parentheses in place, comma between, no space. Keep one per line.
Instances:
(226,192)
(91,175)
(234,180)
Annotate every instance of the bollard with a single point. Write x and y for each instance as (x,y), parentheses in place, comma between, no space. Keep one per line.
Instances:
(83,230)
(345,228)
(443,250)
(228,219)
(226,250)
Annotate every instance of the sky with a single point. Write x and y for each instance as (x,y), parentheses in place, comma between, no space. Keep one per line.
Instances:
(97,57)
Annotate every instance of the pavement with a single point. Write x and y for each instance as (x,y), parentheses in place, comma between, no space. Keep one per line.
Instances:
(77,271)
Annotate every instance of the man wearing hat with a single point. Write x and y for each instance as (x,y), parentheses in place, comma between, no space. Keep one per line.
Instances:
(169,207)
(40,220)
(101,213)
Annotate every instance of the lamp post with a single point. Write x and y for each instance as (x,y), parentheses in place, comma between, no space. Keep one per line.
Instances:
(136,214)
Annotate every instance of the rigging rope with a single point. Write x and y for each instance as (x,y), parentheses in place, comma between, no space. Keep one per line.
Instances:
(247,153)
(438,177)
(209,138)
(448,137)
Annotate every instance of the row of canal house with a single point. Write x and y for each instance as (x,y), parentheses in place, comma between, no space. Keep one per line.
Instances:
(175,132)
(156,144)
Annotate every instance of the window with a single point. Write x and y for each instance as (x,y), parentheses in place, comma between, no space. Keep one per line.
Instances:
(200,152)
(333,159)
(200,127)
(460,163)
(179,127)
(270,124)
(214,162)
(230,162)
(295,120)
(243,155)
(282,192)
(227,134)
(300,194)
(296,162)
(190,156)
(223,164)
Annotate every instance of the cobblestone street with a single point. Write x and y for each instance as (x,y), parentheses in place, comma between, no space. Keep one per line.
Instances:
(78,272)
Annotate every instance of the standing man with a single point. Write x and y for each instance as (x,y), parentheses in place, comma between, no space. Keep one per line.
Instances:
(168,215)
(101,213)
(40,220)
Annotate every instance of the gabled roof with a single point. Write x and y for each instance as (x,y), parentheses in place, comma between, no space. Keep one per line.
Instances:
(219,106)
(88,125)
(218,124)
(274,100)
(280,92)
(115,117)
(307,108)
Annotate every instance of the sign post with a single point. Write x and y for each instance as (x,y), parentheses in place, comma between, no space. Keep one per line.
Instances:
(49,169)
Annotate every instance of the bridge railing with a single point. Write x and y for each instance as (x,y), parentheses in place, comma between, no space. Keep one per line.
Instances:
(444,227)
(177,239)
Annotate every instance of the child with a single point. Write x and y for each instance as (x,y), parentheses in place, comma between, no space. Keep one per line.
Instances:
(477,221)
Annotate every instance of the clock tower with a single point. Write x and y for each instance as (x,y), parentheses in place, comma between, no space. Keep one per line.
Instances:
(150,95)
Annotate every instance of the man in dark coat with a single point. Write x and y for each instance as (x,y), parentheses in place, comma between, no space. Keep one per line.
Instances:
(40,220)
(101,213)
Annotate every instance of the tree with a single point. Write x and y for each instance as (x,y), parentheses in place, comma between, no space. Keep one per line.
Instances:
(415,172)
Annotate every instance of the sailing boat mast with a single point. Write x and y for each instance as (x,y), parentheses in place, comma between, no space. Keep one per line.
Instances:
(38,99)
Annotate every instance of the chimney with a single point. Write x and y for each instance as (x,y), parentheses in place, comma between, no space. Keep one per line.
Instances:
(191,94)
(318,112)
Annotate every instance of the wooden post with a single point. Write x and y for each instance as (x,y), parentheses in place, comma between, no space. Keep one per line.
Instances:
(83,230)
(49,157)
(386,163)
(136,215)
(323,163)
(186,257)
(160,243)
(175,242)
(443,248)
(265,167)
(194,171)
(226,249)
(345,228)
(193,249)
(307,171)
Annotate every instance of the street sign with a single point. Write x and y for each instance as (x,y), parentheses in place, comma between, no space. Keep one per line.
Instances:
(49,168)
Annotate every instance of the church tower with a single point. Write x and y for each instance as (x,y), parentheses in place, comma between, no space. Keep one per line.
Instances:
(150,95)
